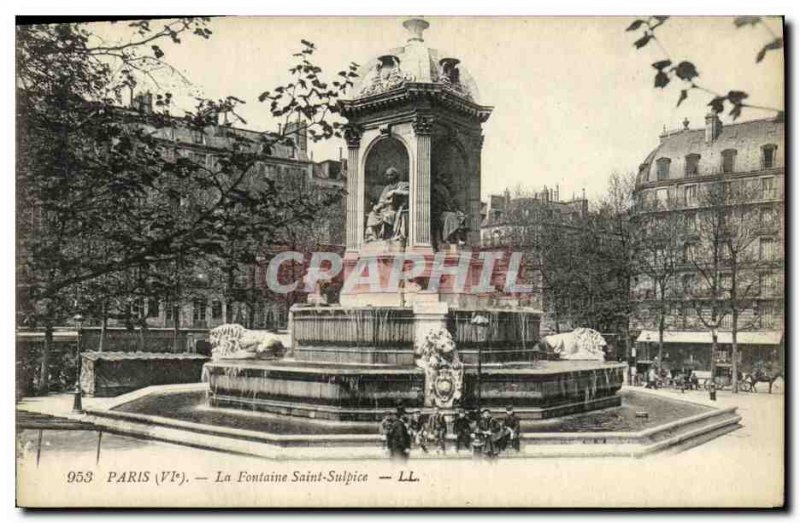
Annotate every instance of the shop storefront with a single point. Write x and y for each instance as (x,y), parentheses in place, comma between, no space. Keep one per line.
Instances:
(692,349)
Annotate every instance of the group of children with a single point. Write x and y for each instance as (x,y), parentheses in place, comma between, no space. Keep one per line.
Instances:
(480,431)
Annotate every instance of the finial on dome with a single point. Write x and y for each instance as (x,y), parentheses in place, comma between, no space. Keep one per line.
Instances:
(415,27)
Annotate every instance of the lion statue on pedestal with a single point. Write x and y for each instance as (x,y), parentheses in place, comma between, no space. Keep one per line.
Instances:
(233,341)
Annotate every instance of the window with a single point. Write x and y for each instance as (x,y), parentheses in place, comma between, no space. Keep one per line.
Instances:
(662,196)
(688,253)
(725,253)
(768,218)
(687,283)
(197,158)
(137,308)
(662,168)
(726,283)
(198,137)
(690,195)
(727,190)
(766,249)
(768,314)
(768,188)
(690,222)
(768,156)
(152,308)
(199,309)
(169,310)
(767,284)
(728,160)
(216,309)
(168,154)
(692,165)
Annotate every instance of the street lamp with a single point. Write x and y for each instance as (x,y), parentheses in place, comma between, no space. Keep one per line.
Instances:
(481,322)
(77,404)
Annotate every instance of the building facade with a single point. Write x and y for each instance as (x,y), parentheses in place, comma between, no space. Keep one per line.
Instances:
(292,168)
(716,174)
(532,224)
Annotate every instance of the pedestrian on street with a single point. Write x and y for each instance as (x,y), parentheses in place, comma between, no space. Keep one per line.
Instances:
(417,428)
(652,378)
(483,435)
(499,437)
(385,426)
(462,430)
(437,429)
(511,424)
(398,438)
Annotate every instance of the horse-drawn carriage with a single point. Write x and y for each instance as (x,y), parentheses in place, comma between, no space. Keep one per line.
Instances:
(748,381)
(759,375)
(689,379)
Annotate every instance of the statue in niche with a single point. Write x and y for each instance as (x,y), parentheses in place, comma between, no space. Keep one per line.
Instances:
(449,222)
(388,219)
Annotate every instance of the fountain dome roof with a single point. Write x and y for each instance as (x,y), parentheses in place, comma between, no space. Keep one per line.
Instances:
(414,62)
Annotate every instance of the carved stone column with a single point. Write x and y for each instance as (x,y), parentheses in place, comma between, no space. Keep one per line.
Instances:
(474,211)
(354,224)
(421,184)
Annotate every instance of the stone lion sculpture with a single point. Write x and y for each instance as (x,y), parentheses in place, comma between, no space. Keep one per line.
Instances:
(580,344)
(233,341)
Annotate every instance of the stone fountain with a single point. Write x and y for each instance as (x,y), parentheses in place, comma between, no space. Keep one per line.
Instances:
(419,322)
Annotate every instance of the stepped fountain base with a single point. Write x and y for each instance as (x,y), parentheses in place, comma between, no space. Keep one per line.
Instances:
(354,364)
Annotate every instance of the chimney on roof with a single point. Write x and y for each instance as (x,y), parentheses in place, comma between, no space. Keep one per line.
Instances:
(297,132)
(713,127)
(143,102)
(663,135)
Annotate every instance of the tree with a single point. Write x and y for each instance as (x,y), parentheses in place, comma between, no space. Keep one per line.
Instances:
(659,252)
(577,256)
(686,72)
(103,189)
(617,210)
(728,261)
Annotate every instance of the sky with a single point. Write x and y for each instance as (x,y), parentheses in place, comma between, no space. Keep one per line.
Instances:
(573,100)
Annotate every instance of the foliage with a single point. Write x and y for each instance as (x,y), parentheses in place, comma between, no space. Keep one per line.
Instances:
(115,202)
(686,72)
(579,258)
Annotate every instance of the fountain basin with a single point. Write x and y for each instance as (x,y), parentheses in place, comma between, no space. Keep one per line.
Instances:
(537,390)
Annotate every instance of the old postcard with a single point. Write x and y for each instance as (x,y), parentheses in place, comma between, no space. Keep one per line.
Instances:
(448,262)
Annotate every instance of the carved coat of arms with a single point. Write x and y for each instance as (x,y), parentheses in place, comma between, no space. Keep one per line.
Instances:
(444,372)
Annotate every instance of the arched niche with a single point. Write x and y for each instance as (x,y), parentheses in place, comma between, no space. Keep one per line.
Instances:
(449,170)
(385,153)
(448,160)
